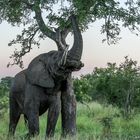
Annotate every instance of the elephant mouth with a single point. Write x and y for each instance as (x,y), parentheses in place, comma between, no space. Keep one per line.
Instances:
(74,65)
(70,66)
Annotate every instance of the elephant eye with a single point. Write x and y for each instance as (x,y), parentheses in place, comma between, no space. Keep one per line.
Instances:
(71,67)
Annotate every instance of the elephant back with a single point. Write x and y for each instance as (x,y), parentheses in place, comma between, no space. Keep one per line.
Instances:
(18,82)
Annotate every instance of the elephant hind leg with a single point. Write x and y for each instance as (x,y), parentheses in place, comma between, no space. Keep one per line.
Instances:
(14,116)
(31,109)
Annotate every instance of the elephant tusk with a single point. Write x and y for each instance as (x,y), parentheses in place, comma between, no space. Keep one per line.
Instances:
(64,56)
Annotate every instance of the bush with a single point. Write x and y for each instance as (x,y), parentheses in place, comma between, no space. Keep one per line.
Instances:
(116,85)
(4,94)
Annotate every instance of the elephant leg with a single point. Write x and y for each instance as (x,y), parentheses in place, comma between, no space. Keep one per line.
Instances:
(68,108)
(31,108)
(33,123)
(14,116)
(53,114)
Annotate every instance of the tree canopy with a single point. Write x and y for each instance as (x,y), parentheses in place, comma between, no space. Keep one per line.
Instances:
(50,18)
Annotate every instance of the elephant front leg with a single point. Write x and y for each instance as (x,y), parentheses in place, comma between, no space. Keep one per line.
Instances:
(33,123)
(53,114)
(31,108)
(68,109)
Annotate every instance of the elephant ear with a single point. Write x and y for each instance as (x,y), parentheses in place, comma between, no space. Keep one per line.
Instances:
(37,74)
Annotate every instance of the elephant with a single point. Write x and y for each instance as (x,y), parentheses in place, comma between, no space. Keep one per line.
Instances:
(47,85)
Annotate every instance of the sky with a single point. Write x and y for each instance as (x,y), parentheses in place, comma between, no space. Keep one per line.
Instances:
(95,53)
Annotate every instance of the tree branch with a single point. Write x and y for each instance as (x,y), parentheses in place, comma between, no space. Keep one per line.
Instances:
(59,35)
(44,29)
(26,39)
(29,5)
(64,33)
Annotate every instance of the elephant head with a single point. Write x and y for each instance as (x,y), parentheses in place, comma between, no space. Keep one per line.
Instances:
(57,65)
(70,59)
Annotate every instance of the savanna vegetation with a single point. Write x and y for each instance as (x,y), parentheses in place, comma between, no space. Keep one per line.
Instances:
(108,104)
(115,87)
(118,85)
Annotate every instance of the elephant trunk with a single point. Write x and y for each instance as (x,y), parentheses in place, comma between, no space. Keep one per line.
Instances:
(75,52)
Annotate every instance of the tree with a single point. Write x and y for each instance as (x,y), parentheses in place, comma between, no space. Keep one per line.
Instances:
(49,18)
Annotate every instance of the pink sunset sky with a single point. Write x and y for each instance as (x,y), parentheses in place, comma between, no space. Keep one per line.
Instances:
(95,53)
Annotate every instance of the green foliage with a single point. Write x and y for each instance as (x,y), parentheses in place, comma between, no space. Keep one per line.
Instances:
(19,11)
(6,82)
(116,85)
(4,94)
(81,88)
(48,15)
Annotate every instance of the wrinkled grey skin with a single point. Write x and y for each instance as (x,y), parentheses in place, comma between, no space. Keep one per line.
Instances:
(42,84)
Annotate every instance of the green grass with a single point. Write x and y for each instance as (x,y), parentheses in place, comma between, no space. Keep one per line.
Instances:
(97,123)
